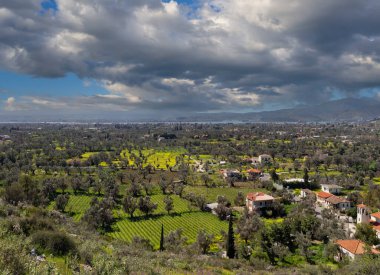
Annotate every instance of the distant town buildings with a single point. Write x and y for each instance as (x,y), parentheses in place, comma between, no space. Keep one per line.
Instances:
(4,137)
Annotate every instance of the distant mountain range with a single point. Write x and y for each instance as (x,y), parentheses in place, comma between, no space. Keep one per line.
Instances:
(349,109)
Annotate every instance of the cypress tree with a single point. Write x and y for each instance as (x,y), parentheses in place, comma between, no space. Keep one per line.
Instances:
(162,238)
(230,240)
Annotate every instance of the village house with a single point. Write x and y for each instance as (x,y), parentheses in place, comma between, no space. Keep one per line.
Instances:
(337,203)
(231,173)
(255,161)
(332,201)
(375,222)
(258,200)
(364,217)
(352,248)
(322,196)
(265,159)
(331,188)
(253,174)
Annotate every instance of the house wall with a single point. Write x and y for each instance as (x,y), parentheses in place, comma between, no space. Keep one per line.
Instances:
(344,205)
(257,204)
(261,204)
(348,253)
(331,190)
(362,216)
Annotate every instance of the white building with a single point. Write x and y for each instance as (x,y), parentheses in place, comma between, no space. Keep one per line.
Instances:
(331,188)
(338,203)
(265,159)
(364,216)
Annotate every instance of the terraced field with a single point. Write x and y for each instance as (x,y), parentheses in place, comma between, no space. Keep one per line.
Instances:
(77,206)
(150,229)
(125,229)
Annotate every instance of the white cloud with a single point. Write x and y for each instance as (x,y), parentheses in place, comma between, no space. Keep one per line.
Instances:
(175,81)
(120,89)
(10,104)
(227,53)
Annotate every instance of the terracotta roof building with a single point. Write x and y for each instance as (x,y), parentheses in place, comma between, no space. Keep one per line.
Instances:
(258,200)
(352,248)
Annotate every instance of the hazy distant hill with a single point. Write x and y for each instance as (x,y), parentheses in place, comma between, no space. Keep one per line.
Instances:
(350,109)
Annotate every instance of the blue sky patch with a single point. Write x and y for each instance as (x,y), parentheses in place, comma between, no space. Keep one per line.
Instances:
(49,5)
(23,85)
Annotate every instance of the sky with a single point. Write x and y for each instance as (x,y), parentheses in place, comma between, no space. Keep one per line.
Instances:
(154,59)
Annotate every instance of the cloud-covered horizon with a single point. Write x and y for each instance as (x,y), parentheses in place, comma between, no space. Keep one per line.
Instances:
(152,56)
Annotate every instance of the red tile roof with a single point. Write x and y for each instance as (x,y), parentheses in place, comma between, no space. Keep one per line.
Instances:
(356,247)
(324,195)
(255,171)
(335,200)
(361,206)
(375,225)
(376,215)
(259,196)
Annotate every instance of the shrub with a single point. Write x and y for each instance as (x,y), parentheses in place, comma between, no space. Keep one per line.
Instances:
(57,243)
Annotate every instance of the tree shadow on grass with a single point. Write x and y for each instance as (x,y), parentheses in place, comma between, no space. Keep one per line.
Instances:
(151,217)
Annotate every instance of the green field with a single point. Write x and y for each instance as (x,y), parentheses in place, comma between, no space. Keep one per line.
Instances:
(180,217)
(211,194)
(77,206)
(159,159)
(150,229)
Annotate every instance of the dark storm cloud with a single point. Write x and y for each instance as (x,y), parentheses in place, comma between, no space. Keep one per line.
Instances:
(228,55)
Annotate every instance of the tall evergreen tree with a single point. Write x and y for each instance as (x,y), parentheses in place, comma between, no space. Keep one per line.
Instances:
(230,240)
(162,238)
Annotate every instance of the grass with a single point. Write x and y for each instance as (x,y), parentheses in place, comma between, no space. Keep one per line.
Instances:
(230,193)
(317,258)
(159,159)
(77,206)
(87,155)
(190,223)
(125,229)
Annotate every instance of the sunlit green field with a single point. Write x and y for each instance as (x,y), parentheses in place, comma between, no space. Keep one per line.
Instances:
(191,223)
